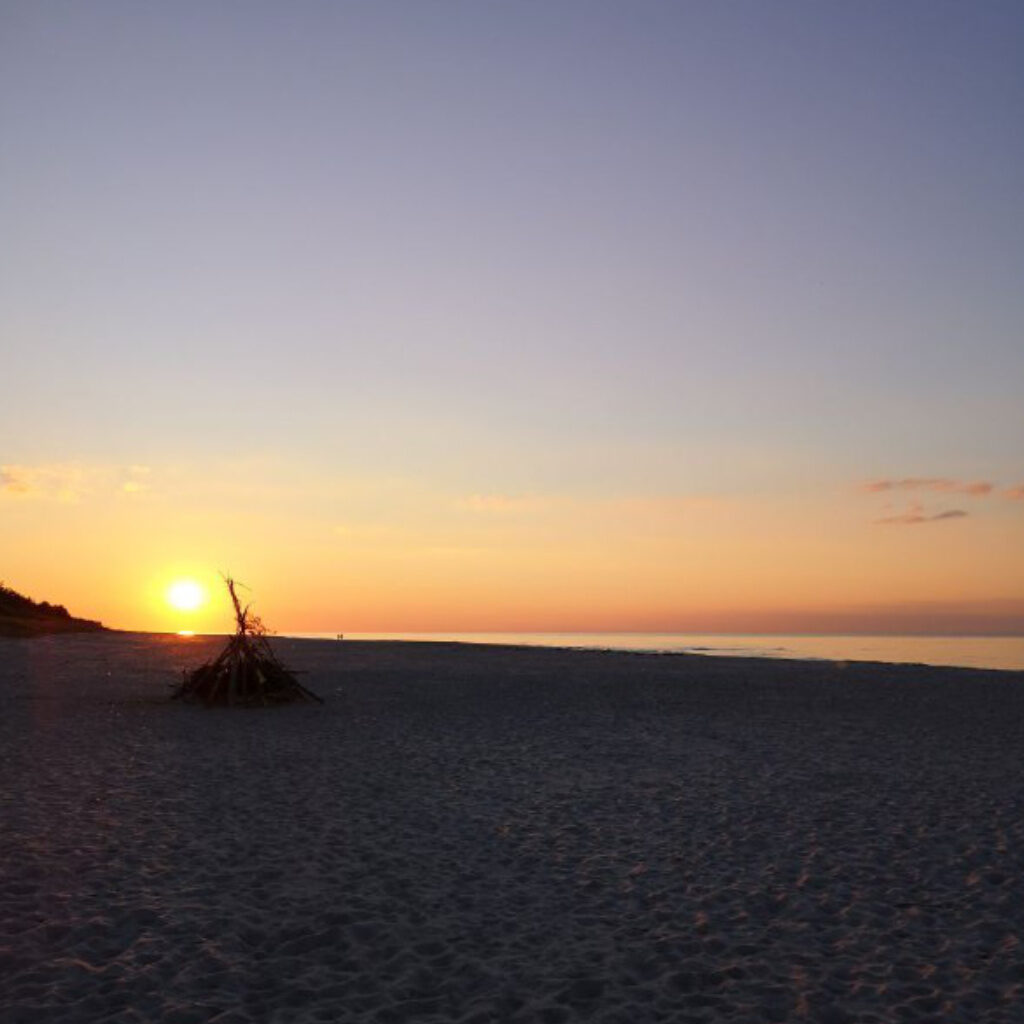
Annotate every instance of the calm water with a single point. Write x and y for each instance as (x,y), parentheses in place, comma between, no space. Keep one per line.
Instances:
(966,651)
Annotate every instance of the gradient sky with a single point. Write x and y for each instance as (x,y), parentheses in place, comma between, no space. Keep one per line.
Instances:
(536,315)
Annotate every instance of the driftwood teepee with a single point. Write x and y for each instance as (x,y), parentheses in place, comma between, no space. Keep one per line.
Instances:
(246,672)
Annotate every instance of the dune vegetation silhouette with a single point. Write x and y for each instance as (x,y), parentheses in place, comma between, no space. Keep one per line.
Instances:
(21,616)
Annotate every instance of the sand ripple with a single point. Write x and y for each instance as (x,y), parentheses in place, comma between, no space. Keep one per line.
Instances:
(479,835)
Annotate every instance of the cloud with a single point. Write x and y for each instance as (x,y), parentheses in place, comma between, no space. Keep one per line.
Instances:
(15,480)
(372,533)
(70,482)
(490,503)
(638,506)
(65,482)
(941,485)
(1015,493)
(138,480)
(917,515)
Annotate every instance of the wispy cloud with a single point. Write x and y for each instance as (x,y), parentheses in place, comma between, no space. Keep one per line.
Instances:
(497,503)
(924,485)
(65,482)
(638,506)
(14,480)
(941,485)
(70,482)
(917,515)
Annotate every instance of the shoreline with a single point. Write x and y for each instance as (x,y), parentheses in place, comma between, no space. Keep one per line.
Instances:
(585,648)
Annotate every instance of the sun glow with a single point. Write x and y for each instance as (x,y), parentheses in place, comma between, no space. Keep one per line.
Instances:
(186,595)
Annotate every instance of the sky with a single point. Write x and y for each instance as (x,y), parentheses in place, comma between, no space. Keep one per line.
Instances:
(537,315)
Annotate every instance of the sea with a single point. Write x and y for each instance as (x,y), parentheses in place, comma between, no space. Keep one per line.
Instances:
(998,652)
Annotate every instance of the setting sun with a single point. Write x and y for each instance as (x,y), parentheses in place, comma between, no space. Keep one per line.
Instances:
(185,595)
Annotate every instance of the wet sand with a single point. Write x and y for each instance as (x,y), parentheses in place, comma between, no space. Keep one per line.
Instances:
(481,834)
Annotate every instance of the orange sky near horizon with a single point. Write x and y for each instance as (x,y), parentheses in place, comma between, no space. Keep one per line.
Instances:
(324,555)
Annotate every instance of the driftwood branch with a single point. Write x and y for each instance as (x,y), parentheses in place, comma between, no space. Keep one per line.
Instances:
(246,673)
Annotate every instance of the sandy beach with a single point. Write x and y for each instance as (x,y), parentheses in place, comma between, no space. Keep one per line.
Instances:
(480,834)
